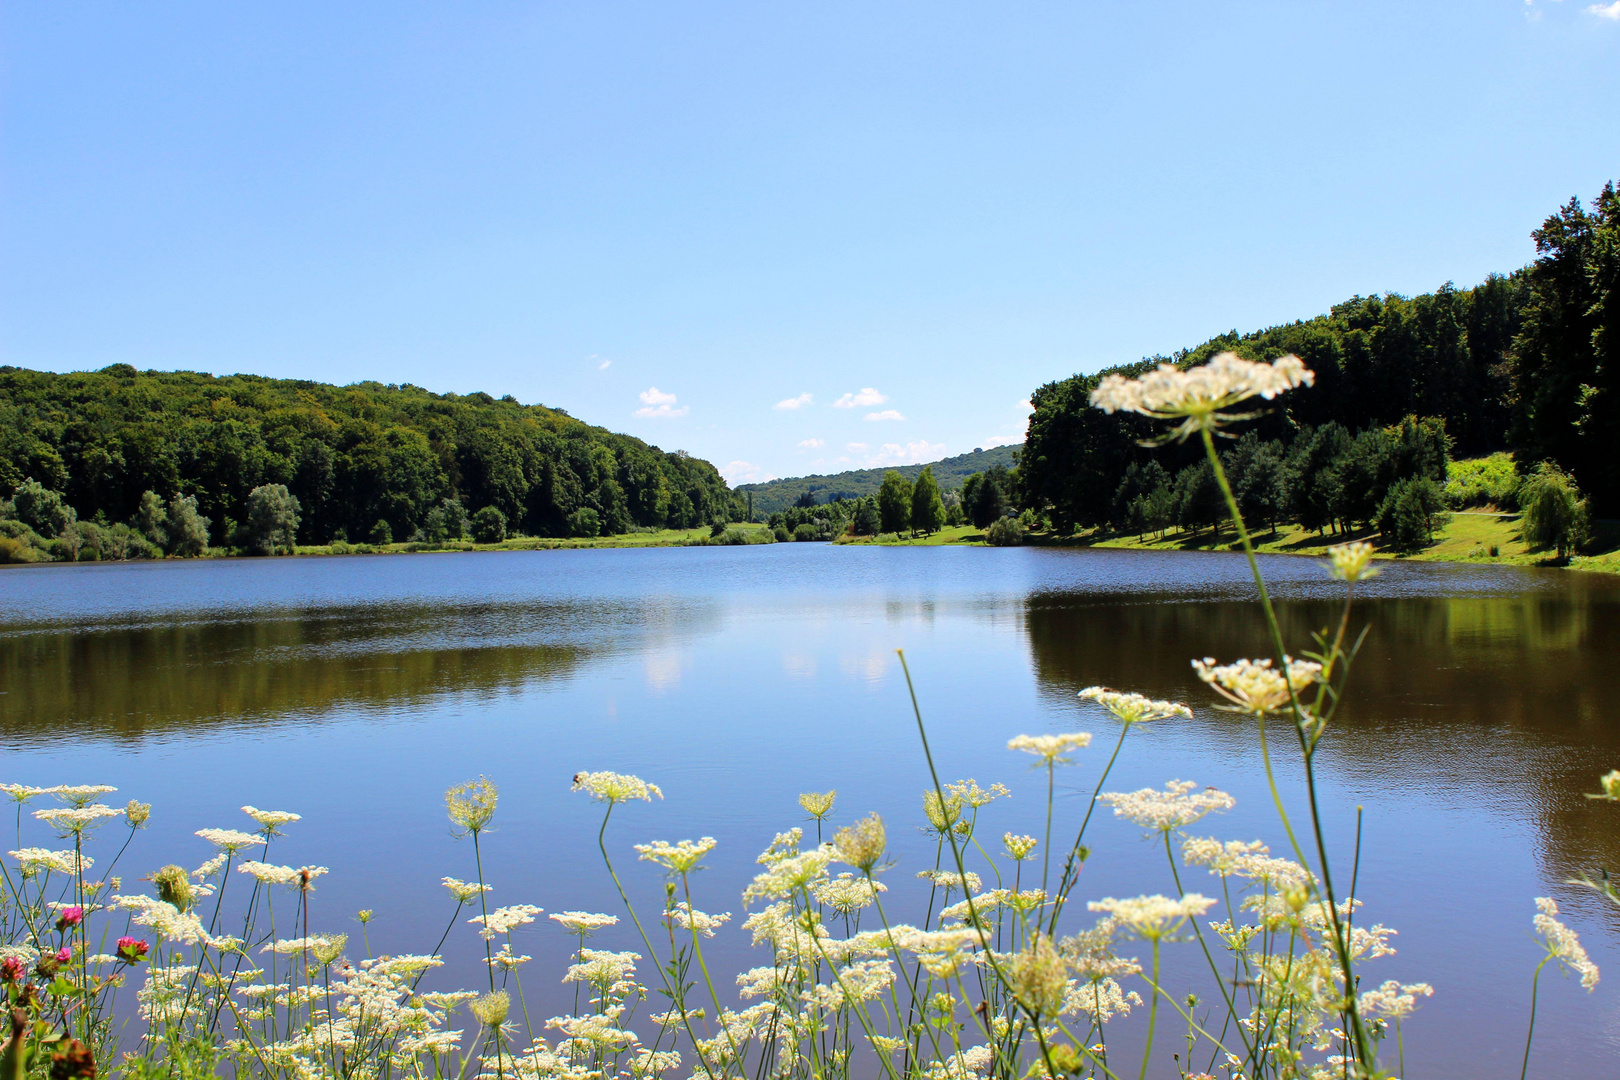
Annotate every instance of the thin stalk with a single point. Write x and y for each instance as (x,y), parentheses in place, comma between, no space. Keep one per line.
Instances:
(1153,1013)
(1535,982)
(1364,1044)
(1064,883)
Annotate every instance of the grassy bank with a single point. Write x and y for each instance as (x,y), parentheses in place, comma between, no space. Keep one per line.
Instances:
(1470,537)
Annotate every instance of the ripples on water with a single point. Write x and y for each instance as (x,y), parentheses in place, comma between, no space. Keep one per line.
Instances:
(354,690)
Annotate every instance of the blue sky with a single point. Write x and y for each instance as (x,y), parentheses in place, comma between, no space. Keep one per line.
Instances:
(785,237)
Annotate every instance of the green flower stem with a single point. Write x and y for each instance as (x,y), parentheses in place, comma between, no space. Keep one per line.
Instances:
(1535,982)
(483,906)
(1065,885)
(1202,944)
(1365,1047)
(1153,1012)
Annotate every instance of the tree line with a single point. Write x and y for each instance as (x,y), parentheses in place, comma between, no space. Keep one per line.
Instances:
(367,462)
(1525,362)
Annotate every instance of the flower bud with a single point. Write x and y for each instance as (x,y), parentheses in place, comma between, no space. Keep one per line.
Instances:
(491,1009)
(69,916)
(132,950)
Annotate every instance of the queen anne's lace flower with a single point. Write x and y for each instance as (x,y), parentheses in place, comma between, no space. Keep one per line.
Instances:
(1197,396)
(504,920)
(471,805)
(847,893)
(582,923)
(818,804)
(1393,1000)
(1101,999)
(862,844)
(612,787)
(786,876)
(1178,805)
(22,792)
(69,820)
(1134,708)
(465,892)
(165,919)
(231,840)
(679,858)
(684,916)
(1051,748)
(1153,916)
(271,821)
(1254,685)
(950,879)
(1562,943)
(80,794)
(1352,562)
(1018,847)
(33,860)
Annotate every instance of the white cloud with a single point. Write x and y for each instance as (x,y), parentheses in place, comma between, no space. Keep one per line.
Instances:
(1606,11)
(744,472)
(910,454)
(1001,440)
(855,447)
(1026,405)
(794,402)
(657,404)
(886,414)
(811,444)
(604,365)
(867,397)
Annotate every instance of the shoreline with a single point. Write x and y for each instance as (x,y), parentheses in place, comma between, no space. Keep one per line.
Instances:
(1470,538)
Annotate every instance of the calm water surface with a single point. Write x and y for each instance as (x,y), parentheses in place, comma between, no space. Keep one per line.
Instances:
(355,690)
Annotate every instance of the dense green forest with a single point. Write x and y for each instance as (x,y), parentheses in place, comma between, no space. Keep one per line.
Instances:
(1526,362)
(951,473)
(187,459)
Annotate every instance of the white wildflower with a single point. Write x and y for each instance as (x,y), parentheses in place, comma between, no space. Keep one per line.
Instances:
(70,820)
(1018,847)
(612,787)
(582,923)
(1051,748)
(679,858)
(1393,1000)
(950,879)
(1153,916)
(1178,805)
(684,916)
(846,893)
(1134,708)
(504,920)
(1562,943)
(33,860)
(209,868)
(1102,999)
(230,840)
(465,891)
(165,919)
(1254,685)
(1351,562)
(505,959)
(970,793)
(271,821)
(22,792)
(788,875)
(1199,395)
(609,972)
(80,794)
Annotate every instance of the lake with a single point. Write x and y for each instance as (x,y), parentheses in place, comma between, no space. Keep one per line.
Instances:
(354,690)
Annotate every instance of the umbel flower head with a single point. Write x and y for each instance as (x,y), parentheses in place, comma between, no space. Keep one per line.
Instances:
(1611,786)
(1153,917)
(491,1009)
(1134,708)
(613,788)
(681,858)
(818,804)
(1178,805)
(1562,943)
(1199,395)
(1018,847)
(1351,562)
(1254,686)
(861,845)
(471,805)
(1051,748)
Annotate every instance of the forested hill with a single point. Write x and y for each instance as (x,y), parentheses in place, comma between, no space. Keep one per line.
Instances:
(950,473)
(353,456)
(1528,362)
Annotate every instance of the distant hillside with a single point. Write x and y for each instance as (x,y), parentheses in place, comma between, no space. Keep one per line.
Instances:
(774,495)
(356,457)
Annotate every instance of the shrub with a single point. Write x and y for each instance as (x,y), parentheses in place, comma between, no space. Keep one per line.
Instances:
(41,509)
(782,535)
(272,523)
(1487,481)
(1555,515)
(584,522)
(1410,514)
(382,533)
(1004,532)
(489,525)
(805,532)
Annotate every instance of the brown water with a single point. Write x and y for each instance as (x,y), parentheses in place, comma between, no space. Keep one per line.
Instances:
(355,690)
